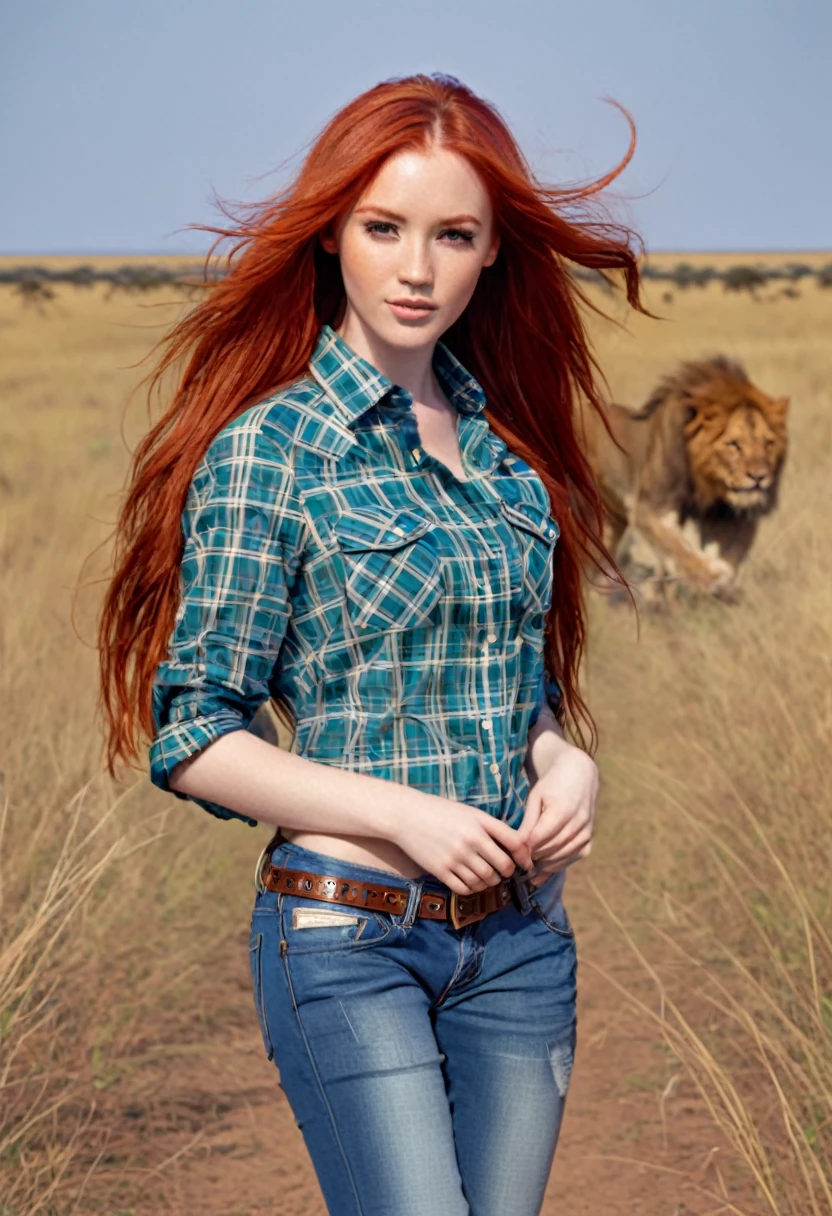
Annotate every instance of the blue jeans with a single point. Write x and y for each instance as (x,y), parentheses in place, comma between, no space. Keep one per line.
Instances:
(426,1066)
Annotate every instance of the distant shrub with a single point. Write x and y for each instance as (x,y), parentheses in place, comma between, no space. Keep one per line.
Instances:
(743,278)
(33,289)
(31,282)
(706,275)
(80,276)
(684,275)
(798,270)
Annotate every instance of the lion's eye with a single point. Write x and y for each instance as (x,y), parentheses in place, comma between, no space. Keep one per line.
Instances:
(732,443)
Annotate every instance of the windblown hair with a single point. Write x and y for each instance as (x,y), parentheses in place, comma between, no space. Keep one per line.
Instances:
(255,329)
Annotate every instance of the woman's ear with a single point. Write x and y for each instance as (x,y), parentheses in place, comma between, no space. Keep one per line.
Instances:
(493,250)
(328,242)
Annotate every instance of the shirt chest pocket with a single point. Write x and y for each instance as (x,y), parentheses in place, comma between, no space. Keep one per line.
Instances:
(393,574)
(537,534)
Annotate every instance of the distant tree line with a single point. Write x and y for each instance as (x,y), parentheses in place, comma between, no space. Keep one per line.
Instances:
(36,282)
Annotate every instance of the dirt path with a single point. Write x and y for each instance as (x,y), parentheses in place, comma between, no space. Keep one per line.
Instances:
(212,1133)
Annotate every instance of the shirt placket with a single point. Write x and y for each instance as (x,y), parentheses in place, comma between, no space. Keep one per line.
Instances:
(472,433)
(481,451)
(487,653)
(400,403)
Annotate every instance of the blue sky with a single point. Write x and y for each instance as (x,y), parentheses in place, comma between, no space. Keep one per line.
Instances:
(121,119)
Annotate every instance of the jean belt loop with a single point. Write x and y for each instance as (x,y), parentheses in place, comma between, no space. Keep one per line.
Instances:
(522,893)
(271,853)
(414,899)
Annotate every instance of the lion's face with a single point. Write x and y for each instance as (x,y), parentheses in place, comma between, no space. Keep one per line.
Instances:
(736,446)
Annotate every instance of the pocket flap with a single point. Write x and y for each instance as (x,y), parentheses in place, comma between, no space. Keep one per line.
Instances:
(532,518)
(372,528)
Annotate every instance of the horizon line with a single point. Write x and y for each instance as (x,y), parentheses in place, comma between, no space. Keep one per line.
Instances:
(183,253)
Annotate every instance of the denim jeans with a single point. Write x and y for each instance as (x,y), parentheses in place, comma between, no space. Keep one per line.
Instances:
(426,1066)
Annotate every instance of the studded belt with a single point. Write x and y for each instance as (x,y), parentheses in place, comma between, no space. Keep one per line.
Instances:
(460,910)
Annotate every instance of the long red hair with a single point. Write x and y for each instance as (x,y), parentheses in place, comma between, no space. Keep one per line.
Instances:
(254,330)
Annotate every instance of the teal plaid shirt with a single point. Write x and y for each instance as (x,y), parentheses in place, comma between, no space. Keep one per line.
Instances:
(397,611)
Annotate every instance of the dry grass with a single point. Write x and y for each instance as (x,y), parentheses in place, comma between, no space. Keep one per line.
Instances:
(111,897)
(713,854)
(716,826)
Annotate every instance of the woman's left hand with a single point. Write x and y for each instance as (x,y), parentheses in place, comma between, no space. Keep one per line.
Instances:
(560,813)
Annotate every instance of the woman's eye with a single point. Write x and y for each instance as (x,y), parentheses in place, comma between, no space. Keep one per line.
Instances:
(454,236)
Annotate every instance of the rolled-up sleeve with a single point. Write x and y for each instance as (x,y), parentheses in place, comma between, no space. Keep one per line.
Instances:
(243,532)
(548,693)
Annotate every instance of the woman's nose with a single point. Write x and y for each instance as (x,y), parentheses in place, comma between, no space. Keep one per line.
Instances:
(416,268)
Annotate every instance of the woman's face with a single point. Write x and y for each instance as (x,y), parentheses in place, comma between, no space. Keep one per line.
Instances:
(413,246)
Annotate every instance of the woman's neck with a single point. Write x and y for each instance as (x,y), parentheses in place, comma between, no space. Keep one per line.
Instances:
(409,368)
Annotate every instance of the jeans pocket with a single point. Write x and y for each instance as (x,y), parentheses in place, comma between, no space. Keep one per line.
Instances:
(547,902)
(318,926)
(255,956)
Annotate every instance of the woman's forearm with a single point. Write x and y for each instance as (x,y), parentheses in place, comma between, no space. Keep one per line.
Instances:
(255,778)
(546,742)
(252,777)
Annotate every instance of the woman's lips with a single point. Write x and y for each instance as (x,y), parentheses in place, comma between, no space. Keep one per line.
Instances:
(407,312)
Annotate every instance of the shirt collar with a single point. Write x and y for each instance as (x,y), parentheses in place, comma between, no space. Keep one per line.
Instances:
(354,385)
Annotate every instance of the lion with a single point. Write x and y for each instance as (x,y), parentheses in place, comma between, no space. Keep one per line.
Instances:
(701,466)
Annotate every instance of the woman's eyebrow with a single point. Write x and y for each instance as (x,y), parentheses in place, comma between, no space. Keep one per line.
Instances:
(400,219)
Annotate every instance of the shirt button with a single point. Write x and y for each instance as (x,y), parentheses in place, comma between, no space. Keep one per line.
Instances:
(417,453)
(486,722)
(492,637)
(494,767)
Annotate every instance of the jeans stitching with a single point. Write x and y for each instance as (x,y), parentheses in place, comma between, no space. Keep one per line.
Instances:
(347,1020)
(569,934)
(259,1002)
(457,970)
(321,1087)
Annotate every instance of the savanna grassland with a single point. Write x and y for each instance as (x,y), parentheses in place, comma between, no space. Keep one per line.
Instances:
(132,1077)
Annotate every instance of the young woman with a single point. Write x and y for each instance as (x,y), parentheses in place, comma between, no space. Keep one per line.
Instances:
(359,502)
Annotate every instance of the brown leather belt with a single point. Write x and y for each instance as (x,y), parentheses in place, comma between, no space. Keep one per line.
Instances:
(460,910)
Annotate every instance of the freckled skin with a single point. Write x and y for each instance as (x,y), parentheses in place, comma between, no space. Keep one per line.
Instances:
(418,255)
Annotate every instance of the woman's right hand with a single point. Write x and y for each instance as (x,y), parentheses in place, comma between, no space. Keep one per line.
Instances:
(462,846)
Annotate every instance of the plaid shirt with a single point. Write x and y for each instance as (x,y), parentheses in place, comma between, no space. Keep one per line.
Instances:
(397,611)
